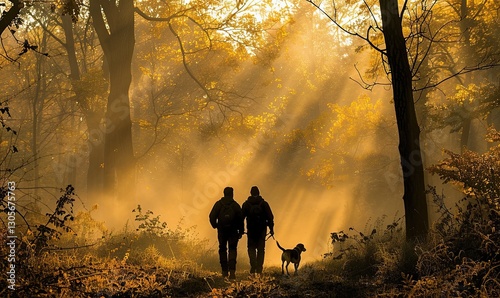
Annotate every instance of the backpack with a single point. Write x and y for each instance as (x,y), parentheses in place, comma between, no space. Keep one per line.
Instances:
(256,216)
(226,215)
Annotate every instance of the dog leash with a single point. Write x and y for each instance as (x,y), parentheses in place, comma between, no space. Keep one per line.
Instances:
(269,236)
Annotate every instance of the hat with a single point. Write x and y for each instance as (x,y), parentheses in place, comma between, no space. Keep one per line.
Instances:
(254,191)
(228,192)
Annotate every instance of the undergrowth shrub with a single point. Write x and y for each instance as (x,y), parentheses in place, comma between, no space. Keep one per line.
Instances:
(378,254)
(463,257)
(36,242)
(149,261)
(153,242)
(85,230)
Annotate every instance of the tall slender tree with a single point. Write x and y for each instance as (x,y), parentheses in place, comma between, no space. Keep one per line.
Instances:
(400,74)
(414,197)
(404,36)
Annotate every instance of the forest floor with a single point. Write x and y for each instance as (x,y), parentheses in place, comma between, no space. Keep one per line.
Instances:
(113,279)
(310,282)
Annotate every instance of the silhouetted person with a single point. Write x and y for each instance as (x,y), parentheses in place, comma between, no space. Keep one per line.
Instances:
(227,218)
(259,216)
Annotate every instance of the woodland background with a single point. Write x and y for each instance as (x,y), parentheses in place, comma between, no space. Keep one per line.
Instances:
(123,121)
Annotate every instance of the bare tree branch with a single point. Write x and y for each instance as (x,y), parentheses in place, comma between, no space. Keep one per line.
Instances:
(367,38)
(7,18)
(403,10)
(456,74)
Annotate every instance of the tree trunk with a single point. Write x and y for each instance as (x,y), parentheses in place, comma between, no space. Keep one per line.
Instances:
(95,173)
(118,152)
(92,118)
(67,25)
(37,106)
(117,41)
(414,197)
(464,138)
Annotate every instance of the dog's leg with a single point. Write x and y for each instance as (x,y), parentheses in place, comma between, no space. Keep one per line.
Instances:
(282,269)
(296,265)
(287,263)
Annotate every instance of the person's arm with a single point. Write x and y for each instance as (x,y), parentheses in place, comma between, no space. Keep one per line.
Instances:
(214,214)
(270,218)
(244,210)
(240,220)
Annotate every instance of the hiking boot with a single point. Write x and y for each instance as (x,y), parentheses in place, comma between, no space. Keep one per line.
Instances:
(232,275)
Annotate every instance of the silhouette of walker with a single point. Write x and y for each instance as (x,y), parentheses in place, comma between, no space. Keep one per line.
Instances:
(226,216)
(259,217)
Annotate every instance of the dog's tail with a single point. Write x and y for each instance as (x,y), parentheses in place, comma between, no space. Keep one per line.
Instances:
(280,246)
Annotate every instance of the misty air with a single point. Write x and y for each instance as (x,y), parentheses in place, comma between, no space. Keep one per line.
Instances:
(199,148)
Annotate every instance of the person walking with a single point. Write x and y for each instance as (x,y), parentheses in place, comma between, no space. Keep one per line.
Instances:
(259,217)
(226,216)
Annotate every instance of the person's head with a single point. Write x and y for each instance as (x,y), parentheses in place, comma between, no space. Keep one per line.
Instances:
(254,191)
(228,192)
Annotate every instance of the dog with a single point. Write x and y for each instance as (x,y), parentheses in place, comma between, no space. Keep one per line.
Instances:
(291,256)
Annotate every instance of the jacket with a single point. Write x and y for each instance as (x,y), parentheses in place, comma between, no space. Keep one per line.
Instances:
(267,213)
(237,225)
